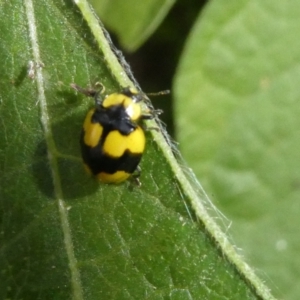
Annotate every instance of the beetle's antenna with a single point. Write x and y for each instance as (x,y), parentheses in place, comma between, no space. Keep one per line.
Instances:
(161,93)
(88,92)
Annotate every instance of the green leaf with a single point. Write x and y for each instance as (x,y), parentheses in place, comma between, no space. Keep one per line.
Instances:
(66,236)
(237,91)
(133,22)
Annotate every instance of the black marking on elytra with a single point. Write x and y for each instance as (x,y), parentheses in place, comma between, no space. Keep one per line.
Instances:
(98,161)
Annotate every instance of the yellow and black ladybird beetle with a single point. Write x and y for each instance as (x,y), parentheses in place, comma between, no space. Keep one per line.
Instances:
(112,142)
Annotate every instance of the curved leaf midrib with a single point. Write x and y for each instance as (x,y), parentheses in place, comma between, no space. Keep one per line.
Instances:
(194,194)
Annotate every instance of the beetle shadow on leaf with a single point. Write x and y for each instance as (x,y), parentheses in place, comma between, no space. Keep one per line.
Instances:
(21,76)
(41,170)
(63,176)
